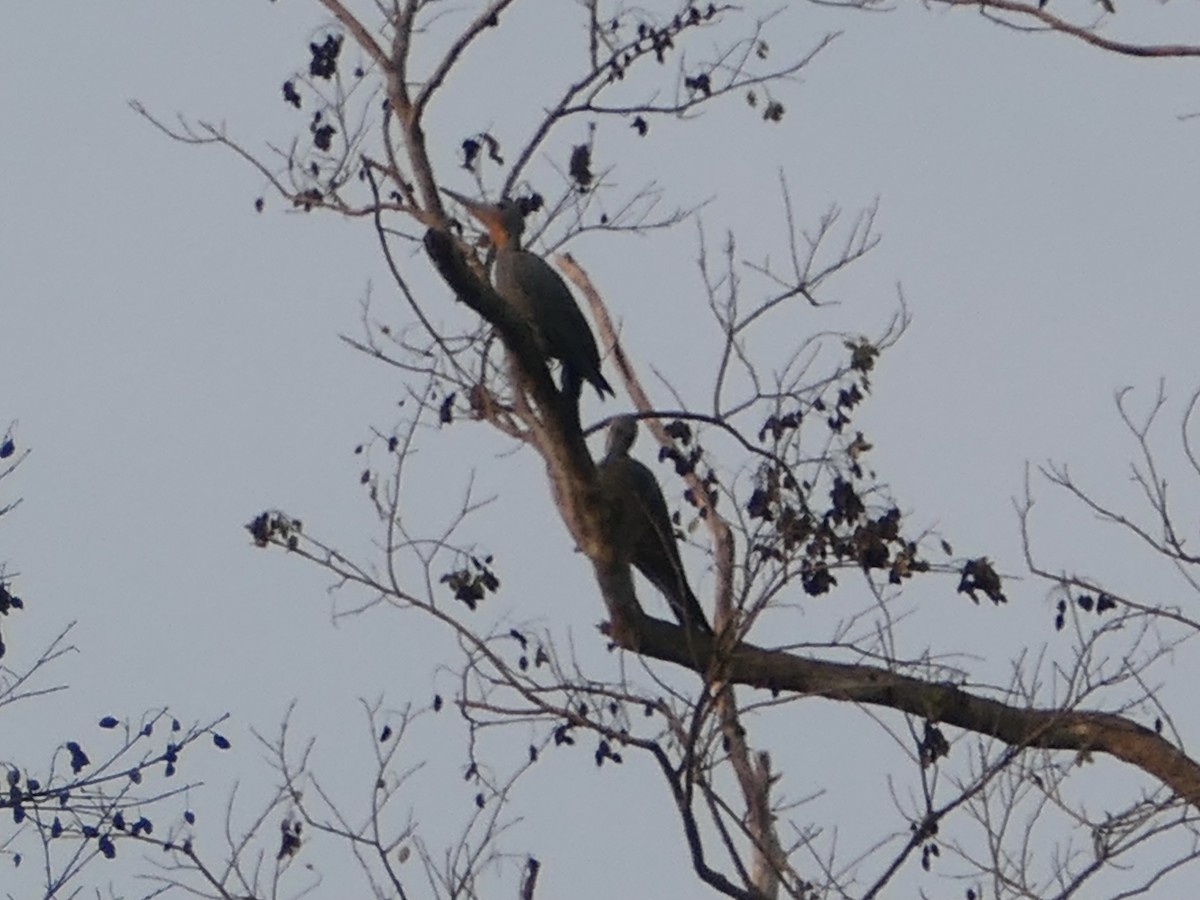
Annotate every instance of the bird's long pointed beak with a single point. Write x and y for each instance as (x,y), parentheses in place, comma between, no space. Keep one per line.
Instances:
(455,195)
(487,214)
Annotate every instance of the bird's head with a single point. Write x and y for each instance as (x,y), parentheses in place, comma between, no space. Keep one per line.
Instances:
(622,432)
(504,220)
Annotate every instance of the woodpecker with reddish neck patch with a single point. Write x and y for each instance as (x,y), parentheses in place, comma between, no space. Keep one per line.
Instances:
(540,296)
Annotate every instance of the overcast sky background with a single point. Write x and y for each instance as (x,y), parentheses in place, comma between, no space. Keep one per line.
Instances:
(172,359)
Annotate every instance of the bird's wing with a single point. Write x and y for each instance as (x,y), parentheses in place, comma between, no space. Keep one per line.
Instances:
(558,317)
(656,553)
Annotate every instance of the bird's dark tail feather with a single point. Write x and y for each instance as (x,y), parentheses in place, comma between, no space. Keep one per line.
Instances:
(692,615)
(664,570)
(572,382)
(601,385)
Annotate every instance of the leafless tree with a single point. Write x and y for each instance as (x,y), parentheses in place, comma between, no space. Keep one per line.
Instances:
(67,810)
(775,494)
(1098,23)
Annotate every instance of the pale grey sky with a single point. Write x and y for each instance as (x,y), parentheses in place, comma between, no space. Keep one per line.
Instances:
(172,358)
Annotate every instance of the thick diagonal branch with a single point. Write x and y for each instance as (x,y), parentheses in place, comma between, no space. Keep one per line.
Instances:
(1079,731)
